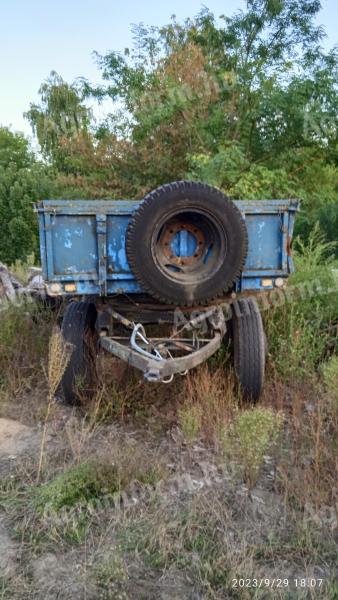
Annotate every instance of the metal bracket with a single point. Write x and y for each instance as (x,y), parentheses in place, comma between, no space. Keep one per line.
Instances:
(101,230)
(157,370)
(140,332)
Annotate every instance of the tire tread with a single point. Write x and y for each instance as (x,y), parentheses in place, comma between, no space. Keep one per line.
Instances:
(159,194)
(249,347)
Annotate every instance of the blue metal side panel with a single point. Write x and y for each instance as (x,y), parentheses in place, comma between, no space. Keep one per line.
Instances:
(73,243)
(265,242)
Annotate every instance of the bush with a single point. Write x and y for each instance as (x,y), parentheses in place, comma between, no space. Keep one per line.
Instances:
(248,438)
(77,485)
(299,328)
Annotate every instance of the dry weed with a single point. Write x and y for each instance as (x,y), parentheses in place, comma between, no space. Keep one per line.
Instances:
(59,355)
(208,403)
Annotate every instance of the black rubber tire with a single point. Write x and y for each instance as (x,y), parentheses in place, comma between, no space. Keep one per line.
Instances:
(163,204)
(78,328)
(249,347)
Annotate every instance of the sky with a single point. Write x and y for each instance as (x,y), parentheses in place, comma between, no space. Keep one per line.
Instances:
(38,36)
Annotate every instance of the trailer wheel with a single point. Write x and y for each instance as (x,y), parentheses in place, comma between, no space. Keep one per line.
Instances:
(78,328)
(249,347)
(186,243)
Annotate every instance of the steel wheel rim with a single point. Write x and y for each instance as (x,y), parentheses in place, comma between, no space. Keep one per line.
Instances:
(201,237)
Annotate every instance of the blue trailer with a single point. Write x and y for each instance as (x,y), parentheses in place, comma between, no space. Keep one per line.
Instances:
(175,259)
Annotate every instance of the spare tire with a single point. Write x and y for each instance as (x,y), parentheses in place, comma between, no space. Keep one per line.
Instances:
(186,243)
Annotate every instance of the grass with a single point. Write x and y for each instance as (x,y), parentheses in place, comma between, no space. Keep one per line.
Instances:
(24,332)
(213,545)
(8,587)
(110,574)
(208,400)
(307,467)
(330,377)
(190,421)
(20,269)
(61,510)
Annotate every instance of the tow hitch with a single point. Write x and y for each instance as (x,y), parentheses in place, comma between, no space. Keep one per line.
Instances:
(160,358)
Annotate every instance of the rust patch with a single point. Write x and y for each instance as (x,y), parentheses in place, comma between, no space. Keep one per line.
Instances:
(168,235)
(288,246)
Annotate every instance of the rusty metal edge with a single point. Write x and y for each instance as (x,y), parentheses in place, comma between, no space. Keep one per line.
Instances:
(156,370)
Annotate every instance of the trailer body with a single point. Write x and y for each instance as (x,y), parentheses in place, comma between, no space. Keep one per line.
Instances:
(83,253)
(98,252)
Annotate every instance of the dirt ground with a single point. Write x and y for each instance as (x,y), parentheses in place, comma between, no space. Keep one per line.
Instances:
(194,531)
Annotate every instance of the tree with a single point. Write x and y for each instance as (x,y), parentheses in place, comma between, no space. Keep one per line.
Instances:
(60,120)
(23,181)
(250,105)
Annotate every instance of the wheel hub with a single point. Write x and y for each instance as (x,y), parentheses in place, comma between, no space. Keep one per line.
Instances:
(182,243)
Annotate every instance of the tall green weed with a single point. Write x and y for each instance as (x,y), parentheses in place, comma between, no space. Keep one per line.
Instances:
(300,328)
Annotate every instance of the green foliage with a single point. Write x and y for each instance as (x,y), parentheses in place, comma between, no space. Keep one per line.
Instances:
(299,326)
(297,344)
(248,105)
(190,420)
(328,219)
(77,485)
(330,376)
(313,255)
(20,268)
(248,438)
(231,171)
(23,181)
(60,118)
(14,150)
